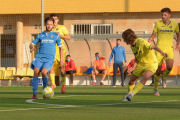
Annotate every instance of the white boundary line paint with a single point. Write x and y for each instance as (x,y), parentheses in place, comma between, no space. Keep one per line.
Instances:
(67,106)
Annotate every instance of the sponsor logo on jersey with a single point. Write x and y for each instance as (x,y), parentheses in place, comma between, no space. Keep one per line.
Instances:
(166,30)
(47,41)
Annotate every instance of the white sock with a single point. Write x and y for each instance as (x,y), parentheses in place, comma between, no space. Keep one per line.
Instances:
(95,81)
(132,93)
(101,81)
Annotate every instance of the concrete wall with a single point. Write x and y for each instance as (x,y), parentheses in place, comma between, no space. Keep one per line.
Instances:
(79,51)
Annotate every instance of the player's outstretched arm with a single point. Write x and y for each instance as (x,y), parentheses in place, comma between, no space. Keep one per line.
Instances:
(152,37)
(178,41)
(159,50)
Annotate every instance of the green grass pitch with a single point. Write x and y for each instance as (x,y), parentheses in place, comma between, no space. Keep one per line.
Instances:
(90,103)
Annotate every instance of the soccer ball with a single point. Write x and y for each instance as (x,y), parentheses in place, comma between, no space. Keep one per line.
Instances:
(48,92)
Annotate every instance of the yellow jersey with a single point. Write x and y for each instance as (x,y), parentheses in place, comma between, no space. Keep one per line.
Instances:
(63,31)
(143,52)
(165,34)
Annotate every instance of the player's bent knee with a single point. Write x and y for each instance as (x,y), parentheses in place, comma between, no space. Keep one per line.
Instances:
(131,82)
(44,74)
(169,68)
(36,74)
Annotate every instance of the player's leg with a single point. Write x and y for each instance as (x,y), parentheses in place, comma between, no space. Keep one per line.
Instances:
(169,66)
(115,67)
(35,82)
(152,84)
(140,84)
(158,72)
(138,71)
(45,69)
(156,78)
(164,82)
(52,77)
(63,74)
(36,66)
(44,77)
(104,72)
(130,86)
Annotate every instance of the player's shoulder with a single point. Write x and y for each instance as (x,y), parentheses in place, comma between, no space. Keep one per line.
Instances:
(61,26)
(41,34)
(55,34)
(173,22)
(160,21)
(140,40)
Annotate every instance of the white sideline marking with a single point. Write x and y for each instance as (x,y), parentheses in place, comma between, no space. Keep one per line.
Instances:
(67,106)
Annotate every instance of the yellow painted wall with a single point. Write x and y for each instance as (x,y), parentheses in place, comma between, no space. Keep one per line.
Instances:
(85,6)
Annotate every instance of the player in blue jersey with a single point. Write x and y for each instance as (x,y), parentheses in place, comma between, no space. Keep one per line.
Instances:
(45,56)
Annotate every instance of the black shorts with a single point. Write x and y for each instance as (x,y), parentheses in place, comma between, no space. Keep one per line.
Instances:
(100,71)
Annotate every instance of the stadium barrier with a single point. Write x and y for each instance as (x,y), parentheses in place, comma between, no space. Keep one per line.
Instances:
(11,74)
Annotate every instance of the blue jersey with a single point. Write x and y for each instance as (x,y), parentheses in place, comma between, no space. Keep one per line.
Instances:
(119,53)
(47,48)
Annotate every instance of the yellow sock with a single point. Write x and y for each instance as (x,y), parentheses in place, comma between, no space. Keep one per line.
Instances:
(156,81)
(63,80)
(52,77)
(166,73)
(138,87)
(130,88)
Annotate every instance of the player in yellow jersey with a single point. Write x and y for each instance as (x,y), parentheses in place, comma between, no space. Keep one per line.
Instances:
(145,62)
(64,34)
(165,30)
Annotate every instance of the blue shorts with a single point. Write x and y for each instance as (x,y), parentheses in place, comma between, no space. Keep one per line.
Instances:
(42,63)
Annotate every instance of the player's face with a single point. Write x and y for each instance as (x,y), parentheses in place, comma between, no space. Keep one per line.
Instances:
(165,16)
(131,42)
(49,25)
(56,20)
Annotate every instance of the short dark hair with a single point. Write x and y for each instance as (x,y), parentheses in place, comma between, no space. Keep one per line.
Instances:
(53,15)
(68,56)
(48,19)
(118,39)
(129,35)
(96,53)
(168,10)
